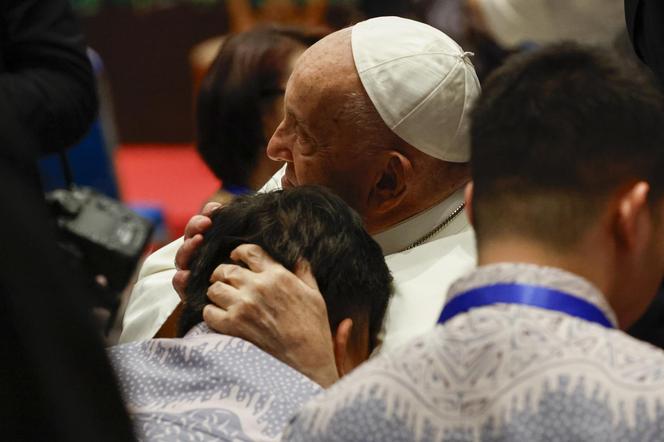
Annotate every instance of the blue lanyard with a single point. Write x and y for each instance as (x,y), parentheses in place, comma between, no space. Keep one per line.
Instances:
(237,190)
(524,295)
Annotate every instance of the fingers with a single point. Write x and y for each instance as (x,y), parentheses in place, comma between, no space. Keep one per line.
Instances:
(186,251)
(216,318)
(198,224)
(180,281)
(232,274)
(223,295)
(303,271)
(229,313)
(253,256)
(209,208)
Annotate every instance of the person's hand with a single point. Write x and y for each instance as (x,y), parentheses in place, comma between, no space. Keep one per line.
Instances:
(193,238)
(282,313)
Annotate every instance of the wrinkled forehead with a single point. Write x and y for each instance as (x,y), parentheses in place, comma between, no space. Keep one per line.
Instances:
(323,77)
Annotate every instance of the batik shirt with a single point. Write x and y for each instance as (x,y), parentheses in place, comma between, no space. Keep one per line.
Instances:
(207,386)
(501,373)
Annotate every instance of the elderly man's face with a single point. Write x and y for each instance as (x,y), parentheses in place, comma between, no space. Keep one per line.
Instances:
(317,138)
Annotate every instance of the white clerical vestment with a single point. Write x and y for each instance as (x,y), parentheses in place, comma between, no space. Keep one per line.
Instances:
(422,274)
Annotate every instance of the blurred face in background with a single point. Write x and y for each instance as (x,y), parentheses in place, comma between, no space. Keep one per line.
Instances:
(272,106)
(240,102)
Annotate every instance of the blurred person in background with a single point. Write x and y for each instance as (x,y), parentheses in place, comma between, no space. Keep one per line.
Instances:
(496,29)
(240,105)
(208,386)
(55,381)
(246,14)
(515,23)
(452,17)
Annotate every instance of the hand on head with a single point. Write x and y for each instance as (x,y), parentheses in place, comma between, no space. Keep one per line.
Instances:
(282,313)
(193,239)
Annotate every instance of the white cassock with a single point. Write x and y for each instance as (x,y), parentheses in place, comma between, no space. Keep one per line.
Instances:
(422,274)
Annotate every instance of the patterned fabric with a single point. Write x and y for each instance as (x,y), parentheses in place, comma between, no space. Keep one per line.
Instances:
(207,386)
(501,373)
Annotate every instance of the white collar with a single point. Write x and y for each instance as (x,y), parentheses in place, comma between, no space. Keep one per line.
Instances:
(401,236)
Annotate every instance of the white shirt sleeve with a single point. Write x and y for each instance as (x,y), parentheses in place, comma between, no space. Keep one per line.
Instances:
(515,22)
(153,297)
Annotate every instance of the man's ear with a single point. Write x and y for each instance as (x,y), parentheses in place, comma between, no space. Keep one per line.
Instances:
(468,196)
(632,220)
(340,342)
(391,183)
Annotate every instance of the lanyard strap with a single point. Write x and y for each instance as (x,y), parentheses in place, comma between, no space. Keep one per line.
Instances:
(237,190)
(524,295)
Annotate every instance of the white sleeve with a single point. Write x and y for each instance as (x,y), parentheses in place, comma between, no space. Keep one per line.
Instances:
(153,297)
(514,22)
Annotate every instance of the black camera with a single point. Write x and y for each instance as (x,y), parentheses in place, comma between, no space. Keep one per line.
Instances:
(101,237)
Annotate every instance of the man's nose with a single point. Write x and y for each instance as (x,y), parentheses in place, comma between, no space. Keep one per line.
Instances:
(279,146)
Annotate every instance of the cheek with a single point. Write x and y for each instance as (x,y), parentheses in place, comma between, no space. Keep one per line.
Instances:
(309,170)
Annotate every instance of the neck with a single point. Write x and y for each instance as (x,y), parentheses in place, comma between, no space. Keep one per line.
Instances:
(412,206)
(591,266)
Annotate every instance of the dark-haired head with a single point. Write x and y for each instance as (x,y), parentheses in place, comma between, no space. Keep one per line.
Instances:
(307,223)
(554,134)
(567,160)
(241,99)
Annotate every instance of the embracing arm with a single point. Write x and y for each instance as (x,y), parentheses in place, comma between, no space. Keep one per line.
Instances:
(160,284)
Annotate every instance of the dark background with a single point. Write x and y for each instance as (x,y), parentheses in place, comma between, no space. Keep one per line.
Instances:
(146,59)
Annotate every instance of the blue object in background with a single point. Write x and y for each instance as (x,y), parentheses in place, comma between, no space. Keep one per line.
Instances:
(90,164)
(91,160)
(155,214)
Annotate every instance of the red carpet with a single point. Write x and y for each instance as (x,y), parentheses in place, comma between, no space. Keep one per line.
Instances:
(170,177)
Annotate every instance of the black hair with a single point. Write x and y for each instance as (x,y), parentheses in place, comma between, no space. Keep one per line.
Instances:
(305,222)
(246,76)
(554,134)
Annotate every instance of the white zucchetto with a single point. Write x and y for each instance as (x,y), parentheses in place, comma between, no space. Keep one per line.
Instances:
(420,81)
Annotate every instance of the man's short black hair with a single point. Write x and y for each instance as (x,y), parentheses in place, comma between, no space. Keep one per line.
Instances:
(554,134)
(301,223)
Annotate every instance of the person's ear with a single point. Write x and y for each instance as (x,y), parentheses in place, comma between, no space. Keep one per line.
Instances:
(341,342)
(391,182)
(468,196)
(632,218)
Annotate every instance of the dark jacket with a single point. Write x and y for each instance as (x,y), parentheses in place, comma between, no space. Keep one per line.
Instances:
(55,380)
(645,23)
(46,80)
